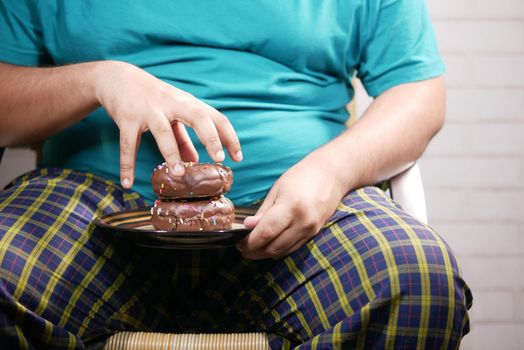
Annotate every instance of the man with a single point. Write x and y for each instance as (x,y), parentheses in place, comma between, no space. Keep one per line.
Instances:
(349,269)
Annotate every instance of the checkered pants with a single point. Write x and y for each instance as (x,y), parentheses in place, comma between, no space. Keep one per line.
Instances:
(373,278)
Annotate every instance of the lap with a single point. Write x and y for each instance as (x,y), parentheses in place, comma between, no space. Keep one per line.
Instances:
(373,276)
(60,270)
(354,283)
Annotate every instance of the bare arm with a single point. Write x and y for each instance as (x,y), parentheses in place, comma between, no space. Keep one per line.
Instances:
(391,135)
(36,103)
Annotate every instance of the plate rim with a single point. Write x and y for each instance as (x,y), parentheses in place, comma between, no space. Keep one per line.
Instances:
(98,221)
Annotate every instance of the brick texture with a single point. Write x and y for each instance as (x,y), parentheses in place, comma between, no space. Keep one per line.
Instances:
(482,36)
(477,9)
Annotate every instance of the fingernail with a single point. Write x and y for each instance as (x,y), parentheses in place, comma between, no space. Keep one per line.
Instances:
(239,156)
(126,183)
(178,169)
(251,221)
(220,156)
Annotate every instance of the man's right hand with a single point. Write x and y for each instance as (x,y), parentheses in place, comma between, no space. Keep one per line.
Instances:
(36,103)
(137,101)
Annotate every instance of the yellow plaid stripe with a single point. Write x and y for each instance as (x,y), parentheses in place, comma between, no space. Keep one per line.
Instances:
(265,309)
(354,253)
(423,266)
(69,258)
(106,297)
(20,310)
(391,268)
(289,300)
(451,288)
(78,292)
(43,243)
(295,299)
(5,242)
(310,290)
(333,277)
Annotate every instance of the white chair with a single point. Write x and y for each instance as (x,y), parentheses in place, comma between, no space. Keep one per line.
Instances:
(407,190)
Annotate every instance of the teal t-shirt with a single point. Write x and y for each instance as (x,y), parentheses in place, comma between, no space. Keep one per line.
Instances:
(281,71)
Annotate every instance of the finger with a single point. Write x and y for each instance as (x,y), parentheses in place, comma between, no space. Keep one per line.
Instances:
(165,139)
(297,246)
(271,224)
(300,230)
(185,145)
(268,253)
(259,254)
(196,114)
(283,245)
(129,140)
(287,242)
(276,247)
(251,221)
(269,201)
(227,134)
(208,135)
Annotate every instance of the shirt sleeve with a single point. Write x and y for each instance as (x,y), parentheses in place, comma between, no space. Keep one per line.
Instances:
(400,45)
(21,34)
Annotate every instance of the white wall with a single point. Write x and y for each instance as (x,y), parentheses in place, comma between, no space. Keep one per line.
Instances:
(15,161)
(474,169)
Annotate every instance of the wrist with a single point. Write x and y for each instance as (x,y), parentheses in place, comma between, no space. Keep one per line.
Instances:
(99,73)
(329,159)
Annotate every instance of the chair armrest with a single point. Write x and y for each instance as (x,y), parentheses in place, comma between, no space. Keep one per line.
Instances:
(408,191)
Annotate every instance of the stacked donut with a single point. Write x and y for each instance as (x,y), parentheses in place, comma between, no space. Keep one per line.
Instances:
(194,201)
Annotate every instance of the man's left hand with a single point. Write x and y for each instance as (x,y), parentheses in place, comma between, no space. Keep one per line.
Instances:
(294,211)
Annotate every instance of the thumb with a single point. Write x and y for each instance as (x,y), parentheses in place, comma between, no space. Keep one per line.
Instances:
(251,221)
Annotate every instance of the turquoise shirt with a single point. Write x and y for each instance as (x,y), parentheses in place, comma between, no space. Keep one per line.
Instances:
(281,71)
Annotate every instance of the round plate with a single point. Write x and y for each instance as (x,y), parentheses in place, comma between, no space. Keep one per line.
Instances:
(136,226)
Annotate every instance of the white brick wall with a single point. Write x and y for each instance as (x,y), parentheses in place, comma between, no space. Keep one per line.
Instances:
(476,9)
(15,162)
(474,169)
(482,36)
(469,105)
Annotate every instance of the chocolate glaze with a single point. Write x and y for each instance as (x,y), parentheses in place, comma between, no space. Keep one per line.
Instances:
(208,214)
(199,180)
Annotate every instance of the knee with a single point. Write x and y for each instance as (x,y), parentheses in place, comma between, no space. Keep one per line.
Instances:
(425,263)
(427,287)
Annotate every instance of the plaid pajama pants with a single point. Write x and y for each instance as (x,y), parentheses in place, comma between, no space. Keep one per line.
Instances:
(373,278)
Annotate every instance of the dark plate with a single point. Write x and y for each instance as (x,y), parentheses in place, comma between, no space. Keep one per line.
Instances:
(135,225)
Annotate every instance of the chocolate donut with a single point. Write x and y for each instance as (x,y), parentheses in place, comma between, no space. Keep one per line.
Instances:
(199,180)
(209,214)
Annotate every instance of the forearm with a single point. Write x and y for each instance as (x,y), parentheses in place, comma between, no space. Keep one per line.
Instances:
(392,134)
(36,103)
